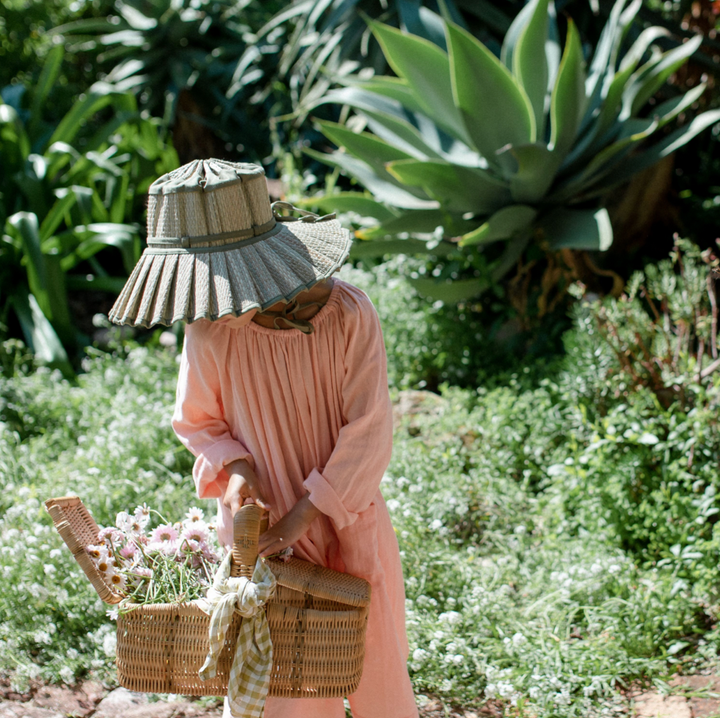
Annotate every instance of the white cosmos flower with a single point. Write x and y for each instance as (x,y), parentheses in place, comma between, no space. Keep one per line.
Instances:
(195,514)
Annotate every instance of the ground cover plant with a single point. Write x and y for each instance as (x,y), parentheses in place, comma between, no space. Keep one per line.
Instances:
(543,567)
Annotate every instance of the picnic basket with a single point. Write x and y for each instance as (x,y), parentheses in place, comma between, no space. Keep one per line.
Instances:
(317,621)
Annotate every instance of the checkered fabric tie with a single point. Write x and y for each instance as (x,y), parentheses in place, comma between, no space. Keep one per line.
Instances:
(250,672)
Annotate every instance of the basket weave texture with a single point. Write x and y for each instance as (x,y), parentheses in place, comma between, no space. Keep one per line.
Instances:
(317,621)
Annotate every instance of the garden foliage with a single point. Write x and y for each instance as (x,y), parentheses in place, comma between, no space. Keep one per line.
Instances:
(557,542)
(70,197)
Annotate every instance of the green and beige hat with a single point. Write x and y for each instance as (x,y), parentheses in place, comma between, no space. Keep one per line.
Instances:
(217,247)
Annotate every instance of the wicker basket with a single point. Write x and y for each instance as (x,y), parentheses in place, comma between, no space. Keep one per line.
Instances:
(317,621)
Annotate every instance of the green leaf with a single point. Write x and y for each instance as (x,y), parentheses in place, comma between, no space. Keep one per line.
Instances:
(48,77)
(461,189)
(363,145)
(505,223)
(578,229)
(65,202)
(372,249)
(38,332)
(496,111)
(426,68)
(529,63)
(653,75)
(512,36)
(647,158)
(386,191)
(395,88)
(98,96)
(450,292)
(364,205)
(535,172)
(392,122)
(26,226)
(568,98)
(418,221)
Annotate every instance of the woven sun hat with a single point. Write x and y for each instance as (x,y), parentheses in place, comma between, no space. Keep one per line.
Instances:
(217,248)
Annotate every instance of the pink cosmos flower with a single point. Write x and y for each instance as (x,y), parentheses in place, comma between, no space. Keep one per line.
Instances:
(128,550)
(195,533)
(164,533)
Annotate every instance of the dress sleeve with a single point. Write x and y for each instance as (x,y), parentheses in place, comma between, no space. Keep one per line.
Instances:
(198,419)
(350,479)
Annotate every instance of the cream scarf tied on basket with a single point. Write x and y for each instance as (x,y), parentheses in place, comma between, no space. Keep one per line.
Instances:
(250,672)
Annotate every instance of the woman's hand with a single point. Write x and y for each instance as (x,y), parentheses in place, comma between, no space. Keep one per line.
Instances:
(289,529)
(243,485)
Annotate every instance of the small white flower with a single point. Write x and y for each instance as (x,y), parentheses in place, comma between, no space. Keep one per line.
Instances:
(112,614)
(451,617)
(393,504)
(419,655)
(195,514)
(67,675)
(109,644)
(435,525)
(49,569)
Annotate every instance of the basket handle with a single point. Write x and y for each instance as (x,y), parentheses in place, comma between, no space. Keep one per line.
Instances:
(249,522)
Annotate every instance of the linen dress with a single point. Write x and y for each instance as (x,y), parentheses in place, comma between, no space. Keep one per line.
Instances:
(311,413)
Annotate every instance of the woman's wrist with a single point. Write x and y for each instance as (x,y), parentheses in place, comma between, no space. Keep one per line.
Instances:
(307,509)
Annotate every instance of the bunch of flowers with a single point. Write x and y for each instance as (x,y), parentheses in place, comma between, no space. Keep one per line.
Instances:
(170,563)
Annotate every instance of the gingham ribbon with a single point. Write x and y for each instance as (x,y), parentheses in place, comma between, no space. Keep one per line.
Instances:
(250,672)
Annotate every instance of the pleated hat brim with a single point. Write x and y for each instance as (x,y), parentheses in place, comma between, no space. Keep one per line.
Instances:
(165,288)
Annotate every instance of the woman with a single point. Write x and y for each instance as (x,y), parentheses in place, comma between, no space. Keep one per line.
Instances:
(283,402)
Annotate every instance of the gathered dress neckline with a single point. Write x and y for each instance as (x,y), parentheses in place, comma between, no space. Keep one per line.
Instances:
(316,320)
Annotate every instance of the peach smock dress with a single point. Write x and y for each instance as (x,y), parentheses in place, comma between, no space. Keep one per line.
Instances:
(312,414)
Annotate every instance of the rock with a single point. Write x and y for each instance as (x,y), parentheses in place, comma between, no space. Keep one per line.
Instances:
(122,703)
(79,702)
(654,705)
(702,706)
(12,709)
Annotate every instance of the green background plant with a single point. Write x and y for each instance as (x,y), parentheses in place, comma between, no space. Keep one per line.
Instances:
(503,151)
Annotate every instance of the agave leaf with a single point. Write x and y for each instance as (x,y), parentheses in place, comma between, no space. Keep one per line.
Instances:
(505,223)
(529,63)
(667,111)
(450,292)
(422,22)
(577,229)
(427,71)
(398,125)
(553,53)
(568,98)
(363,145)
(647,158)
(513,34)
(374,248)
(419,221)
(396,88)
(458,188)
(38,332)
(649,79)
(646,38)
(534,173)
(349,202)
(389,192)
(496,111)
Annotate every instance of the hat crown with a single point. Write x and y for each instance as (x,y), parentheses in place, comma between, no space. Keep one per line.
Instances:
(209,197)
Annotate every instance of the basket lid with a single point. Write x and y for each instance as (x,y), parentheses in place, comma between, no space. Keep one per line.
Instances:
(79,530)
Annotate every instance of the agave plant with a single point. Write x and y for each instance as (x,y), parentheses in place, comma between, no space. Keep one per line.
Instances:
(508,150)
(64,201)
